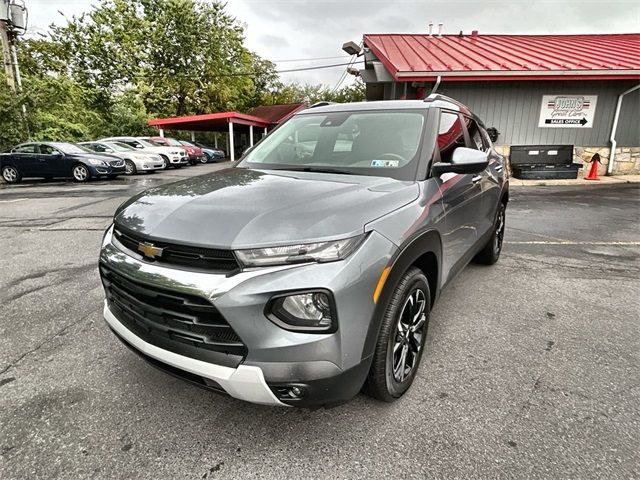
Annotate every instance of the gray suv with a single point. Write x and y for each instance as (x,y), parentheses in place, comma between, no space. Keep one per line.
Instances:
(307,272)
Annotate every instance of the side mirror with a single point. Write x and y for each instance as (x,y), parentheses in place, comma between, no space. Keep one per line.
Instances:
(108,150)
(464,160)
(139,146)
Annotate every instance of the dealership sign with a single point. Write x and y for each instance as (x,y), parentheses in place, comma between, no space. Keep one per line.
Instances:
(567,111)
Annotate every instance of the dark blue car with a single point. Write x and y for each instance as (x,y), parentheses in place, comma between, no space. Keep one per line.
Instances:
(57,159)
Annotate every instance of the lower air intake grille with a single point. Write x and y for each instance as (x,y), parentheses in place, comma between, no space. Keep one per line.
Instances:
(184,324)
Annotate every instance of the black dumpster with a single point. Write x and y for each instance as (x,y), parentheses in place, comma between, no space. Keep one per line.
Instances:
(542,162)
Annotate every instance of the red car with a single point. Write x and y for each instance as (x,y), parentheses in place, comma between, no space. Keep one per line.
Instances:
(196,155)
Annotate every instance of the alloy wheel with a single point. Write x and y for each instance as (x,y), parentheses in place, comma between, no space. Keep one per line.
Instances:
(80,173)
(129,168)
(410,334)
(10,174)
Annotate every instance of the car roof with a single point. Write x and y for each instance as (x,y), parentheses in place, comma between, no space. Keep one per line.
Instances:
(433,100)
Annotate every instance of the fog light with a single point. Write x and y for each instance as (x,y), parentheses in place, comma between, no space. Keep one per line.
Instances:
(295,392)
(309,312)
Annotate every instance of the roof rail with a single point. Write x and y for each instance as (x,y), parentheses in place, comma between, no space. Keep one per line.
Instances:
(321,104)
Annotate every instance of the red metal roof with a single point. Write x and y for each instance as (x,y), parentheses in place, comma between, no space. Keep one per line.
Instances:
(209,122)
(508,57)
(277,113)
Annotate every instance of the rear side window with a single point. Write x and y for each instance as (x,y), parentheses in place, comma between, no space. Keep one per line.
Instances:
(31,148)
(450,135)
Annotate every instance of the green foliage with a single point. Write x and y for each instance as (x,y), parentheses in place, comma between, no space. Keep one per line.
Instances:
(108,71)
(10,118)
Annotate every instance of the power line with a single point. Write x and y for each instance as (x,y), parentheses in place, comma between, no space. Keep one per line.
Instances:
(306,59)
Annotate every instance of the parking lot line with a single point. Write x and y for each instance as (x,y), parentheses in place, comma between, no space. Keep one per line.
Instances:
(568,242)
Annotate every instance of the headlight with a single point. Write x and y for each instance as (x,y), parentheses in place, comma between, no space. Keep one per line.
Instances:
(310,252)
(312,312)
(97,163)
(139,157)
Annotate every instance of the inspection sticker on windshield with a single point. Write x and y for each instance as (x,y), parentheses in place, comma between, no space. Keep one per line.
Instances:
(385,163)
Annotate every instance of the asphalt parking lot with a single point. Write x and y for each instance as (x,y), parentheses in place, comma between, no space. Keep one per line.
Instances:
(532,368)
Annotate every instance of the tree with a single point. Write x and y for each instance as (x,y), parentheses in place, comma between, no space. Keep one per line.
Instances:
(310,94)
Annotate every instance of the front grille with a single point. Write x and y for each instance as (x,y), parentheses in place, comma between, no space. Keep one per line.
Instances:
(185,324)
(183,255)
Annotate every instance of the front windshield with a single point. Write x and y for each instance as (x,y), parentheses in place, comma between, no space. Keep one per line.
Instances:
(119,147)
(70,148)
(173,142)
(184,142)
(374,143)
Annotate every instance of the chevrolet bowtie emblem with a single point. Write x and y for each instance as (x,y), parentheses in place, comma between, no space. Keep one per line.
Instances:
(149,250)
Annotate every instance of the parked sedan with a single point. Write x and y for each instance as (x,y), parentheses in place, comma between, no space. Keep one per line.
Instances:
(213,154)
(134,161)
(172,156)
(57,159)
(194,153)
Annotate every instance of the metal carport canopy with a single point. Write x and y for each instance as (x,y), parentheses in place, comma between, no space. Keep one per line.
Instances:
(210,122)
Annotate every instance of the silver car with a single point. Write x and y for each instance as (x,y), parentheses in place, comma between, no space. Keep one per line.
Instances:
(135,161)
(172,156)
(307,272)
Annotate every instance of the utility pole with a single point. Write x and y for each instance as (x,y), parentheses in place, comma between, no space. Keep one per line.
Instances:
(7,59)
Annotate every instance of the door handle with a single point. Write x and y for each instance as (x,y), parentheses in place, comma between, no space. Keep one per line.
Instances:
(476,179)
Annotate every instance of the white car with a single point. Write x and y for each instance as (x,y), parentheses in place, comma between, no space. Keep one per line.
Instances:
(172,156)
(135,161)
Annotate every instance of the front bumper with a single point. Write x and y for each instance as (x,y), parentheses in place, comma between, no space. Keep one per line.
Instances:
(245,382)
(108,170)
(330,367)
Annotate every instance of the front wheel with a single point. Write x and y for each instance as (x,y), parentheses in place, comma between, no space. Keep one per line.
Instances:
(80,173)
(10,174)
(204,159)
(401,339)
(166,163)
(129,167)
(490,253)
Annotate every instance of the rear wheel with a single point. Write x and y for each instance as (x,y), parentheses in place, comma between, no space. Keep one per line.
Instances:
(130,168)
(204,159)
(401,339)
(10,174)
(491,251)
(80,173)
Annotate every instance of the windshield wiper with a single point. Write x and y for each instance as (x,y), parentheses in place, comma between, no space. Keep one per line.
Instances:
(319,170)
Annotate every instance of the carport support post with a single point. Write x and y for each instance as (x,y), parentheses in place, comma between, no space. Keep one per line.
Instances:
(215,139)
(265,132)
(161,132)
(193,136)
(232,154)
(251,135)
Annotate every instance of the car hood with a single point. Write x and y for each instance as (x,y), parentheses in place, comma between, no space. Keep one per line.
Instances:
(242,208)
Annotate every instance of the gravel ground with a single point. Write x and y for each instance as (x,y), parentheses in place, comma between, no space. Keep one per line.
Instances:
(532,368)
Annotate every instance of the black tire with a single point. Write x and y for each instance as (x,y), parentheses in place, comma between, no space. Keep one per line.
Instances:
(204,159)
(10,174)
(130,168)
(166,161)
(490,253)
(389,377)
(80,173)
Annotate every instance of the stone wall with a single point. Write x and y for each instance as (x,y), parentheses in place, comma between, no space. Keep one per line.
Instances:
(627,161)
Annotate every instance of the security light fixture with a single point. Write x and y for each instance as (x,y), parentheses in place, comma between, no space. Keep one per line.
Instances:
(352,48)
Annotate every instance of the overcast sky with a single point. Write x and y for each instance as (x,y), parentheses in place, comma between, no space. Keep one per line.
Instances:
(308,29)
